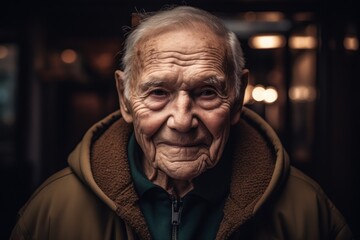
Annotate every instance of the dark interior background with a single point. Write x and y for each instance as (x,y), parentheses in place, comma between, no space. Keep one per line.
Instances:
(57,62)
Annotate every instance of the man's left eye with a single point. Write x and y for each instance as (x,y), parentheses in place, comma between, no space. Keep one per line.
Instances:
(208,93)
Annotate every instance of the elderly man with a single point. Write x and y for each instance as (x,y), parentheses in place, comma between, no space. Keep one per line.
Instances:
(182,159)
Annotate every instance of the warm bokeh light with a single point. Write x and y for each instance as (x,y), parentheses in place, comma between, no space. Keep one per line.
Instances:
(270,95)
(104,60)
(68,56)
(258,93)
(302,42)
(302,93)
(351,43)
(250,16)
(267,41)
(263,16)
(272,16)
(4,51)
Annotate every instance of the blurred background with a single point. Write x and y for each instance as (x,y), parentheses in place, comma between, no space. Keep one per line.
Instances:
(57,62)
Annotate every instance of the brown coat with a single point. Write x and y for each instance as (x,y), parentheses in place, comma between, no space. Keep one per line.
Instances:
(94,198)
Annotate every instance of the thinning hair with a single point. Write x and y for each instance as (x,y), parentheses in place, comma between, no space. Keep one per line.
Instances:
(181,17)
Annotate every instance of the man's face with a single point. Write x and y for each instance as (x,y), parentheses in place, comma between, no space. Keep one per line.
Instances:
(182,103)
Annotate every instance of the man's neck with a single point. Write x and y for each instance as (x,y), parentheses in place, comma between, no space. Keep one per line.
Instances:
(173,186)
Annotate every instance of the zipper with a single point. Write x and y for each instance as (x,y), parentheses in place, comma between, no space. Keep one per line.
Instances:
(176,207)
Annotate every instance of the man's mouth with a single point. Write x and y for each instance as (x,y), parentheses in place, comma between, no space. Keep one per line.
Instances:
(183,144)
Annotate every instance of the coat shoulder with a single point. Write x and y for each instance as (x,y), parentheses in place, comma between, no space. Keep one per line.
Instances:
(304,202)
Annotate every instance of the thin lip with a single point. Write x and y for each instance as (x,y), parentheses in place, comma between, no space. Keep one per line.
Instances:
(178,144)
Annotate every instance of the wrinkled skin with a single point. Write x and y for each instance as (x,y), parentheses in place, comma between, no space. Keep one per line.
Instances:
(181,106)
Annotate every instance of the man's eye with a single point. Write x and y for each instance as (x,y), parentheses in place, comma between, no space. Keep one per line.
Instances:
(208,93)
(158,93)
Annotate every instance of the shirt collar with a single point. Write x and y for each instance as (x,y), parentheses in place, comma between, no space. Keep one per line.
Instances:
(212,185)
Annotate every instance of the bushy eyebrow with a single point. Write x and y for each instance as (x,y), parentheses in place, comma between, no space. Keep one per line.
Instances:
(153,84)
(213,81)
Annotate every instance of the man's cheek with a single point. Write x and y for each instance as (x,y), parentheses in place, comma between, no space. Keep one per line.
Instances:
(218,144)
(145,128)
(149,122)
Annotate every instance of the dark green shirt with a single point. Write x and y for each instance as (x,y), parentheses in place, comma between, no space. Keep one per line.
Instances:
(200,210)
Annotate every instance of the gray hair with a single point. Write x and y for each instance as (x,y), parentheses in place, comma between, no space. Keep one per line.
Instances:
(183,16)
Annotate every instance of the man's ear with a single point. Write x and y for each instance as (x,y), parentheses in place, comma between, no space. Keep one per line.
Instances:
(236,112)
(124,103)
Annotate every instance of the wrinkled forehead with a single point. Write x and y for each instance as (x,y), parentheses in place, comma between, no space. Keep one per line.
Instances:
(181,43)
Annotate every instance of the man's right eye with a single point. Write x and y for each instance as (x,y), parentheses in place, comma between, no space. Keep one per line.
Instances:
(158,93)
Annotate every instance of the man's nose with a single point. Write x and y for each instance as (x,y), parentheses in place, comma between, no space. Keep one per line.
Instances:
(182,117)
